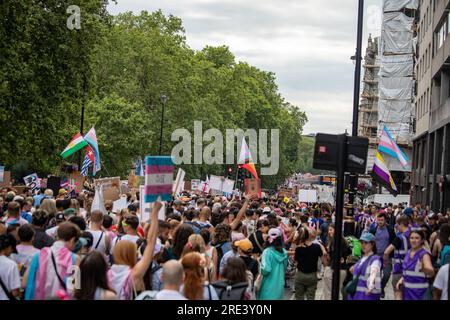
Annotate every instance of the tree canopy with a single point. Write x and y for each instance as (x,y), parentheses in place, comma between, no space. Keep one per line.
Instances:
(123,64)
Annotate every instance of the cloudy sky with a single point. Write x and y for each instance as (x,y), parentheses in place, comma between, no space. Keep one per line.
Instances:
(306,43)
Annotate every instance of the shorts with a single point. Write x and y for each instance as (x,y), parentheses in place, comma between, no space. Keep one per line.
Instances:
(395,279)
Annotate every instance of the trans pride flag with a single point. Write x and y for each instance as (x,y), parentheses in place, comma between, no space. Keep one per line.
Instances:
(390,147)
(158,178)
(381,174)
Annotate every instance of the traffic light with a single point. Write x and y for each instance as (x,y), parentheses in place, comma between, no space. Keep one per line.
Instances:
(229,173)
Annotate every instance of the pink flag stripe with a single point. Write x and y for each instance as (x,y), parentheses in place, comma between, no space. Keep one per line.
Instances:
(165,188)
(158,169)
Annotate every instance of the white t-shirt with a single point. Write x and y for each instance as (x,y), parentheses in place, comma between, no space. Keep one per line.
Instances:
(9,273)
(441,281)
(169,295)
(96,234)
(127,237)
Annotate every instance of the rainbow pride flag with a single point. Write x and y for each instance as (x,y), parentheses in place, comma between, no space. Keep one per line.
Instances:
(246,160)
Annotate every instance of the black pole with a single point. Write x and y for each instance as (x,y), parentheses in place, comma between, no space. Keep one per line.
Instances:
(340,178)
(163,100)
(356,91)
(83,104)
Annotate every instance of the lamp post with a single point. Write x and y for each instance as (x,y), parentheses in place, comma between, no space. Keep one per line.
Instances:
(163,100)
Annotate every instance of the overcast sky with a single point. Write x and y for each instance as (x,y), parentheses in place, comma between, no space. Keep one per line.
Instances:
(306,43)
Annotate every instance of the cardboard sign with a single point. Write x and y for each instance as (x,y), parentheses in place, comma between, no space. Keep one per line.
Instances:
(6,179)
(112,194)
(285,192)
(76,182)
(187,186)
(33,182)
(108,182)
(253,187)
(132,179)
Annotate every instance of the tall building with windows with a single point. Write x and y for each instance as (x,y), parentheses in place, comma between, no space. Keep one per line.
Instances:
(431,151)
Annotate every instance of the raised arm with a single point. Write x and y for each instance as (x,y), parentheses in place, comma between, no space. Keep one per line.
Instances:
(240,215)
(141,267)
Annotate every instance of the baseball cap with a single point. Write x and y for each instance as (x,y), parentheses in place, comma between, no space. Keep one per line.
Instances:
(367,237)
(70,212)
(60,217)
(266,209)
(244,244)
(408,212)
(273,234)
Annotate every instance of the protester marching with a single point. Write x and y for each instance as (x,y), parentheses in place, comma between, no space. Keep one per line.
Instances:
(200,246)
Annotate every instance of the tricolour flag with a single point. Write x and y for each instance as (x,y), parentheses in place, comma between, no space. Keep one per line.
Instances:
(246,160)
(74,145)
(158,178)
(91,139)
(381,174)
(89,158)
(390,147)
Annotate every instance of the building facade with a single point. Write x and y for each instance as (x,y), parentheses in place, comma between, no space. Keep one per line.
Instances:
(431,165)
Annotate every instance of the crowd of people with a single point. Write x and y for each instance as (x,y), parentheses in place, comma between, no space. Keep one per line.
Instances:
(53,246)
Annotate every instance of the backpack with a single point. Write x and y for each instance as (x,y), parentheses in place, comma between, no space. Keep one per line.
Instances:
(444,256)
(355,246)
(219,253)
(226,291)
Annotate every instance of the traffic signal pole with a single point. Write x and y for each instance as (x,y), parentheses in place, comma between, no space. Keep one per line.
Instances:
(356,90)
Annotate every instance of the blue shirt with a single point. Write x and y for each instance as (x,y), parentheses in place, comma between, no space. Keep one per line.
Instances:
(382,240)
(38,199)
(27,216)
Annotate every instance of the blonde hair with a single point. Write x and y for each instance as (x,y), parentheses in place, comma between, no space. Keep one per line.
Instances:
(125,253)
(195,243)
(75,204)
(49,205)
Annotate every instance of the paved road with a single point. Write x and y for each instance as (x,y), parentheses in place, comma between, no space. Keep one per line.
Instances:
(289,295)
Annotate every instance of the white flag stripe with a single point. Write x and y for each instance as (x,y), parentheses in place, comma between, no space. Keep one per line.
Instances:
(159,179)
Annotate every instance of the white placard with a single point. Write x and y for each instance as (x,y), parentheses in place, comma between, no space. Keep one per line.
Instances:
(307,196)
(33,182)
(195,184)
(146,208)
(178,184)
(119,204)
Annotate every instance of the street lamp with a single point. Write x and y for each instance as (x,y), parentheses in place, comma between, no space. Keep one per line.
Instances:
(163,100)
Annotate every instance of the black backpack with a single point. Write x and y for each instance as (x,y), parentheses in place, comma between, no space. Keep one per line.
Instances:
(219,253)
(225,291)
